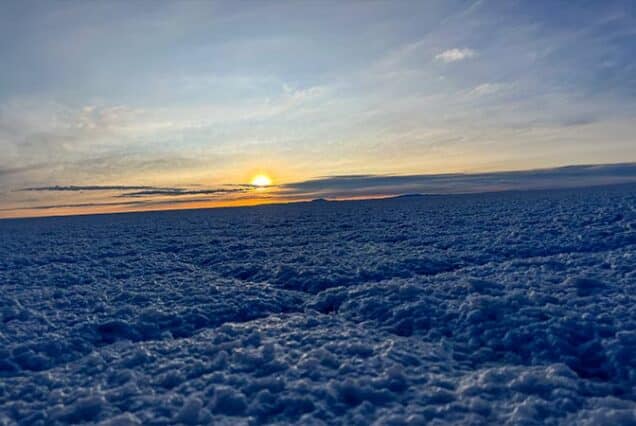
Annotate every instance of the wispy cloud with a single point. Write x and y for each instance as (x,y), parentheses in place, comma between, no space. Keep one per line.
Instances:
(4,171)
(143,190)
(136,203)
(454,55)
(179,192)
(95,188)
(488,89)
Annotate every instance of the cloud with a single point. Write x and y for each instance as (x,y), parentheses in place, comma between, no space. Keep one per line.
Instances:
(488,89)
(127,196)
(5,171)
(454,55)
(142,190)
(179,192)
(578,120)
(140,203)
(95,188)
(348,186)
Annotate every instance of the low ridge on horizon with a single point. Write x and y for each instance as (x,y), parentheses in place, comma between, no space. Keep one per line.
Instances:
(589,175)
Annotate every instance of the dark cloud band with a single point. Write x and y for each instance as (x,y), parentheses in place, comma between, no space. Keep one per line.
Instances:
(369,185)
(95,188)
(181,192)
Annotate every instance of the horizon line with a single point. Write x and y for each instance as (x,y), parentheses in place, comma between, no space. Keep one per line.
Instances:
(334,200)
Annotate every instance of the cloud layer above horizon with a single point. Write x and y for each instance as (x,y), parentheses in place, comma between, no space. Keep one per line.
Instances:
(126,197)
(183,98)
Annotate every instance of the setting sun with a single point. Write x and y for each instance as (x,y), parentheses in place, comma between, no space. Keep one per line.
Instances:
(261,181)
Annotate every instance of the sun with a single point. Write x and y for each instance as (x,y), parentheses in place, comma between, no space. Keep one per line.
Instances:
(261,181)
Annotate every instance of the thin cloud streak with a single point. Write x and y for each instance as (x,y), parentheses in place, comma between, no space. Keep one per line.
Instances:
(177,192)
(5,171)
(142,203)
(140,190)
(94,188)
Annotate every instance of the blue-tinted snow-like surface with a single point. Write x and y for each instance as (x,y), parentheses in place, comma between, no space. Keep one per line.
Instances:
(511,308)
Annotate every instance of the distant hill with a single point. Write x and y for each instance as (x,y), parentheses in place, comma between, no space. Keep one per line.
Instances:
(413,195)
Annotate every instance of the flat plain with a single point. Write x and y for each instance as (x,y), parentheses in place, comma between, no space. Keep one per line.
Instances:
(509,308)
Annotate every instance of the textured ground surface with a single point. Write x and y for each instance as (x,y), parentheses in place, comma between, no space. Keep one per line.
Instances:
(512,308)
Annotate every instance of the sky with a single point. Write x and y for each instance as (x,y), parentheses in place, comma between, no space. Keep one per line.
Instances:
(117,106)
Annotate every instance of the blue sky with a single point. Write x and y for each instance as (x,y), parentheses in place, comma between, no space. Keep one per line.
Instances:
(207,94)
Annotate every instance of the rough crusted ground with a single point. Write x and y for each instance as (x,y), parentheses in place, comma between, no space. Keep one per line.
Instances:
(510,308)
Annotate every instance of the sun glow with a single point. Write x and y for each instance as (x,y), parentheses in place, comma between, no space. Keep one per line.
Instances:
(261,181)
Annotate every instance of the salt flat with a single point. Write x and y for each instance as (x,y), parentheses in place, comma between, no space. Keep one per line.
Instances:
(510,308)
